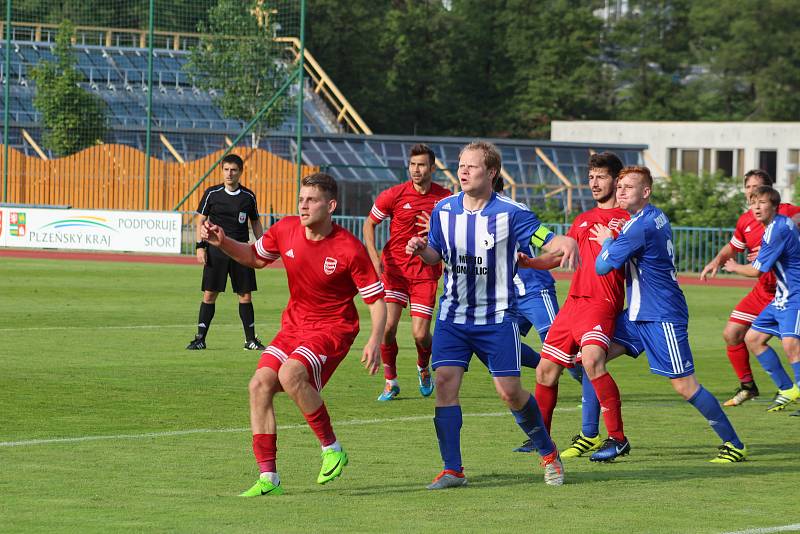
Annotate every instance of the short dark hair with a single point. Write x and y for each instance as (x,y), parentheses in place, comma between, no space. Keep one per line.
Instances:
(491,156)
(322,181)
(637,169)
(421,149)
(606,160)
(767,191)
(764,175)
(233,158)
(499,184)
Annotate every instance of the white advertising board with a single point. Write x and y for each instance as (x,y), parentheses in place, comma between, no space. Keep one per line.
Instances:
(126,231)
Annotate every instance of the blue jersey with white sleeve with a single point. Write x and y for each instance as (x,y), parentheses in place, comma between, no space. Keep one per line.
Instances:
(645,247)
(479,249)
(780,252)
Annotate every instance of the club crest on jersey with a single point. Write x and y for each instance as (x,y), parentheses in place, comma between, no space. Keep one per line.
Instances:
(242,217)
(330,265)
(487,241)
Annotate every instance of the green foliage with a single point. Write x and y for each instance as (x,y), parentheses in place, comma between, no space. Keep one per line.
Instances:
(73,118)
(239,60)
(692,200)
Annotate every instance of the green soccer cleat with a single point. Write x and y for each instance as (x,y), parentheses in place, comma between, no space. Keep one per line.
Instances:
(728,454)
(784,398)
(332,464)
(581,445)
(263,487)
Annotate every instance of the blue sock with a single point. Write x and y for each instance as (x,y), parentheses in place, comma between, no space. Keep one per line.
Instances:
(577,373)
(530,358)
(709,406)
(796,369)
(771,363)
(529,419)
(590,410)
(448,429)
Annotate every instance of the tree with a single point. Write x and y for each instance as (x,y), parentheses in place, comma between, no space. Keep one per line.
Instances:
(238,60)
(692,200)
(73,118)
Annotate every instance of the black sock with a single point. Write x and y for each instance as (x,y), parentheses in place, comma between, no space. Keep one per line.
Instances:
(204,320)
(248,317)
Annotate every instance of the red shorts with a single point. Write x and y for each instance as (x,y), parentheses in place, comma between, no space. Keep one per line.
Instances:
(320,353)
(421,293)
(580,322)
(751,305)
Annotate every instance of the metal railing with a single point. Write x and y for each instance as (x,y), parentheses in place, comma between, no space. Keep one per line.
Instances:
(694,246)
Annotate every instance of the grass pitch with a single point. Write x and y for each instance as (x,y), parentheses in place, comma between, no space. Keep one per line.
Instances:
(107,424)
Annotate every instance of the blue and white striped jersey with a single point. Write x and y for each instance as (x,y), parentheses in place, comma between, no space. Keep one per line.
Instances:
(479,249)
(529,281)
(645,244)
(780,251)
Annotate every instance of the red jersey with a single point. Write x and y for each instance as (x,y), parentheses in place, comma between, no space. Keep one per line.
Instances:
(403,203)
(586,282)
(748,234)
(323,276)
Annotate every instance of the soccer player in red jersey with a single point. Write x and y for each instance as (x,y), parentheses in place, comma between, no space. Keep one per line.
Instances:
(586,321)
(407,280)
(748,236)
(326,266)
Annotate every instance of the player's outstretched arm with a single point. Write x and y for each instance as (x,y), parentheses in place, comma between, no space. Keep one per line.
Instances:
(369,242)
(241,252)
(737,268)
(545,262)
(722,257)
(372,349)
(418,246)
(567,248)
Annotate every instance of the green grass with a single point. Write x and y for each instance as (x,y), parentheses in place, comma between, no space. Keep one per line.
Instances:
(97,349)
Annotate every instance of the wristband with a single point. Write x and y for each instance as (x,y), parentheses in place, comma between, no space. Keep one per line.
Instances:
(201,244)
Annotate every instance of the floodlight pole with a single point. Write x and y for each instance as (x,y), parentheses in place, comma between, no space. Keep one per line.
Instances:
(6,96)
(300,67)
(149,108)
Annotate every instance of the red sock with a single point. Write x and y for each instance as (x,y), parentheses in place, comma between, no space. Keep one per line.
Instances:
(265,447)
(389,359)
(320,423)
(546,398)
(610,405)
(740,360)
(423,356)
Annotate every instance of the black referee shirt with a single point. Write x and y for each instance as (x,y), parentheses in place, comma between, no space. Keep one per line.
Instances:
(230,210)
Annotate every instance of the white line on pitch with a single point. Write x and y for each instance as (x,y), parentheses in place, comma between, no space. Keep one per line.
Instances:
(352,422)
(768,530)
(110,327)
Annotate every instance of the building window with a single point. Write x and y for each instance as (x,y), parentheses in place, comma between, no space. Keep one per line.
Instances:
(768,161)
(725,162)
(690,161)
(793,167)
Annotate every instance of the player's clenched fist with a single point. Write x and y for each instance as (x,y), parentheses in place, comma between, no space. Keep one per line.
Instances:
(212,233)
(416,244)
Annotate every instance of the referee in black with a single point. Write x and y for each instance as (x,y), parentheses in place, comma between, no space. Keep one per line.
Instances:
(229,205)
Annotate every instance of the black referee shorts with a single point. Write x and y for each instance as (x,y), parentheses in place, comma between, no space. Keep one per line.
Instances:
(219,265)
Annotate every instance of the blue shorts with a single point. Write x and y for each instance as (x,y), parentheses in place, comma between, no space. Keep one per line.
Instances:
(666,344)
(497,345)
(778,322)
(537,309)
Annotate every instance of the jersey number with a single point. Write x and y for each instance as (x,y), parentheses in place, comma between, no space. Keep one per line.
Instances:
(671,252)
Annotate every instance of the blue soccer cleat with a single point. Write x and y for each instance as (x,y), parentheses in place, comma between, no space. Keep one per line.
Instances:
(389,392)
(610,450)
(526,447)
(425,381)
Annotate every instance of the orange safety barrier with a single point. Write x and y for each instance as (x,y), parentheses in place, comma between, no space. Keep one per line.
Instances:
(111,177)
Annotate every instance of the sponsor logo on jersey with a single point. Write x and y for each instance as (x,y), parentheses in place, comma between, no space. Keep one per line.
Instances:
(446,207)
(290,253)
(487,241)
(407,206)
(242,217)
(330,265)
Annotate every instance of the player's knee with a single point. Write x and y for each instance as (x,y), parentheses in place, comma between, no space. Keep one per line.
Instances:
(422,336)
(733,335)
(754,341)
(262,384)
(292,377)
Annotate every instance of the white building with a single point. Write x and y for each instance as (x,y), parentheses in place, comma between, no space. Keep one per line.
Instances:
(732,147)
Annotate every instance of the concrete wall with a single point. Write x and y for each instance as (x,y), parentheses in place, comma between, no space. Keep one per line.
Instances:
(745,139)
